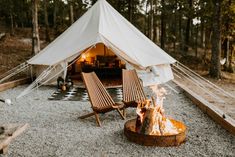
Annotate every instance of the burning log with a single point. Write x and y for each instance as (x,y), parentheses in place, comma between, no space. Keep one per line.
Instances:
(141,110)
(150,116)
(148,121)
(146,117)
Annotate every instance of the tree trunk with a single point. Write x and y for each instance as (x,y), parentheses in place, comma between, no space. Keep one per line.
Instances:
(226,52)
(146,20)
(35,37)
(208,34)
(11,16)
(174,28)
(130,10)
(48,39)
(188,28)
(12,23)
(151,19)
(71,13)
(230,68)
(215,68)
(202,33)
(226,42)
(158,31)
(163,26)
(180,30)
(55,13)
(155,33)
(186,41)
(196,40)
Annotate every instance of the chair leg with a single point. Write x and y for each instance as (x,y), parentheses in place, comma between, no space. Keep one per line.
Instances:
(124,112)
(97,119)
(91,114)
(87,115)
(121,114)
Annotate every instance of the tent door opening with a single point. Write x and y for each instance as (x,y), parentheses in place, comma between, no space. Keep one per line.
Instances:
(101,60)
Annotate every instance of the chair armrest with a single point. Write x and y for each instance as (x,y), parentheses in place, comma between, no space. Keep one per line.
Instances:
(118,105)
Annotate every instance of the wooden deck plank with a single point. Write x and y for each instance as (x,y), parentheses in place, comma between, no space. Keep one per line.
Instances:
(11,84)
(11,131)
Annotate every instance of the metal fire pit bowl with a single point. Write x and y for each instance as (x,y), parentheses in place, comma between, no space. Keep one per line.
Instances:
(155,140)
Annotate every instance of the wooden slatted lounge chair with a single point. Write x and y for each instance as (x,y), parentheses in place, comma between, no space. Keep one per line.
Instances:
(101,101)
(132,88)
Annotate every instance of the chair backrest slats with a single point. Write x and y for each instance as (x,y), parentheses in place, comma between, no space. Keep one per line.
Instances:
(96,95)
(139,87)
(99,96)
(90,89)
(93,91)
(132,87)
(107,98)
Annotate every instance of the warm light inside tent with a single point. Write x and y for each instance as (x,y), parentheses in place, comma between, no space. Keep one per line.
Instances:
(84,57)
(98,57)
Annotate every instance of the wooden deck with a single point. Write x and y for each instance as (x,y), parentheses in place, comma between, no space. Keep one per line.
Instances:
(10,132)
(215,102)
(12,84)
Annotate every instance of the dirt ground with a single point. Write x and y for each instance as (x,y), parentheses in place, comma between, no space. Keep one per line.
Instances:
(13,51)
(227,82)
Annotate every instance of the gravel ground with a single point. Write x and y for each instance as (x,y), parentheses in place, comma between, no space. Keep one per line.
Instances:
(56,131)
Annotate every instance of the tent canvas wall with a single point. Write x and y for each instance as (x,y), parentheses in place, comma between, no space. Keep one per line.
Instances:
(103,24)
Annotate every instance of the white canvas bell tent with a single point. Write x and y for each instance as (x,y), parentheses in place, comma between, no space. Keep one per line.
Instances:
(103,24)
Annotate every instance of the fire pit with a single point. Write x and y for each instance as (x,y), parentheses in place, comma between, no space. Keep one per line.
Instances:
(155,140)
(152,127)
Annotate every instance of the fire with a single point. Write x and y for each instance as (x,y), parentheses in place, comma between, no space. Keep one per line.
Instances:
(151,119)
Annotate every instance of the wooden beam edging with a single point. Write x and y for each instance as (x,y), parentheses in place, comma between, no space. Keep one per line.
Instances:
(215,113)
(12,84)
(5,142)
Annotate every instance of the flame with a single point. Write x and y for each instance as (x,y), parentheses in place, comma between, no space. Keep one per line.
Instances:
(161,124)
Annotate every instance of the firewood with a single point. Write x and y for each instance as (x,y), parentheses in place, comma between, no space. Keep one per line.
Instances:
(154,101)
(148,121)
(138,124)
